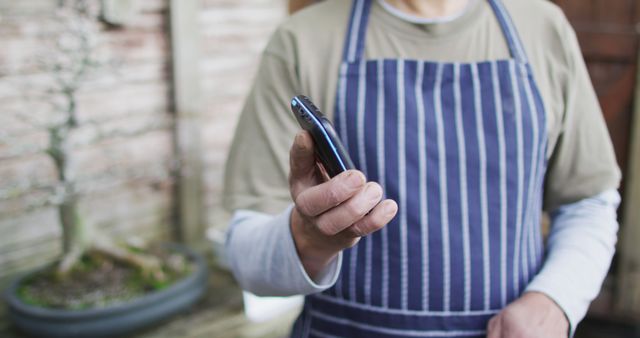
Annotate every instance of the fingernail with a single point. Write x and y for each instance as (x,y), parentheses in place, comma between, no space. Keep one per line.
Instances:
(355,179)
(299,141)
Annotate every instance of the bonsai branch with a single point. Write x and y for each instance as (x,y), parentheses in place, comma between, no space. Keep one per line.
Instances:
(150,266)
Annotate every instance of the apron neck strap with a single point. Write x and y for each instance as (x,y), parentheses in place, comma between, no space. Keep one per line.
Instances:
(357,29)
(354,43)
(511,34)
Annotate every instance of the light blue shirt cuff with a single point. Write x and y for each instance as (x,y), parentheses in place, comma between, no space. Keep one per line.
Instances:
(579,251)
(263,256)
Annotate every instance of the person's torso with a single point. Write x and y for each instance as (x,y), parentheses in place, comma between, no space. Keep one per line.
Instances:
(476,36)
(461,147)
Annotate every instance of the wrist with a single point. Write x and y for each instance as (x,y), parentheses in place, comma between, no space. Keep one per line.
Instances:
(543,300)
(314,257)
(552,307)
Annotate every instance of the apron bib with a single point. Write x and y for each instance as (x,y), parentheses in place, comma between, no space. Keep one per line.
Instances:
(461,148)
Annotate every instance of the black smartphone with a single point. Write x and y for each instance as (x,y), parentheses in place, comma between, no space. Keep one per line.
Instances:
(329,149)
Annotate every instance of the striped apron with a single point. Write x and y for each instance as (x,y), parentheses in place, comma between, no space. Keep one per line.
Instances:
(461,148)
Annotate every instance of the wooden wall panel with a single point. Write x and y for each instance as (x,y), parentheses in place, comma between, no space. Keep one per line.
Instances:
(608,34)
(606,30)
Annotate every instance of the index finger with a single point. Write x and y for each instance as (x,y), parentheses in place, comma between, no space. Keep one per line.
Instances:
(322,197)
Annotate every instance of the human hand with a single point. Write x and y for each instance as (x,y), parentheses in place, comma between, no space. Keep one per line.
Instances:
(533,315)
(330,215)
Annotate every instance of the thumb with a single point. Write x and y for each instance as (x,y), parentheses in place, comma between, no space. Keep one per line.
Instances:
(302,161)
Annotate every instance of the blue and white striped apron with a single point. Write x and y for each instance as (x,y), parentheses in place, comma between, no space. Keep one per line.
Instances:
(461,148)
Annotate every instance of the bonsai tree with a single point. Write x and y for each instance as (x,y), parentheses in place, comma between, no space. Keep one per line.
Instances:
(100,286)
(71,58)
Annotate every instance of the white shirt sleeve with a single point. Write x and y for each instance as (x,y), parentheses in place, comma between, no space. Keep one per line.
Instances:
(579,251)
(264,260)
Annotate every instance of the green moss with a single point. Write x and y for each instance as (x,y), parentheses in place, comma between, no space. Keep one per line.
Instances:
(27,297)
(95,281)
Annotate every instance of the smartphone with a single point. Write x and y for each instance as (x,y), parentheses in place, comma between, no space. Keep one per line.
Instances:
(329,149)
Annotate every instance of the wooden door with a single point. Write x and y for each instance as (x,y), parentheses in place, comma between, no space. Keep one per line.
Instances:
(608,34)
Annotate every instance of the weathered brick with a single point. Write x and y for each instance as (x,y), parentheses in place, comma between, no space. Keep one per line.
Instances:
(16,55)
(22,142)
(122,157)
(27,8)
(125,100)
(137,45)
(29,256)
(33,226)
(129,208)
(153,5)
(152,20)
(30,240)
(25,173)
(27,201)
(234,35)
(122,153)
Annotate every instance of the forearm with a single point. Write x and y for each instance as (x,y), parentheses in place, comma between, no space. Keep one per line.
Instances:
(263,257)
(579,251)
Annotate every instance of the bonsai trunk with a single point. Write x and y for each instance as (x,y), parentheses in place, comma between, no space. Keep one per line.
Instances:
(74,236)
(79,238)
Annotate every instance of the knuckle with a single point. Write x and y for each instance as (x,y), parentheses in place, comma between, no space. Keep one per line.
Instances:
(373,195)
(325,231)
(358,229)
(356,209)
(492,324)
(353,209)
(297,187)
(332,195)
(369,225)
(292,157)
(292,180)
(376,223)
(495,325)
(326,226)
(351,242)
(509,315)
(513,321)
(302,205)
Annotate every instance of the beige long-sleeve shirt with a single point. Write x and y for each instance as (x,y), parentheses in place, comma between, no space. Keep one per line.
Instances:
(305,52)
(303,57)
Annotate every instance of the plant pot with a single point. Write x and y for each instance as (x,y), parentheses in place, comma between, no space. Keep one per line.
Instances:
(109,321)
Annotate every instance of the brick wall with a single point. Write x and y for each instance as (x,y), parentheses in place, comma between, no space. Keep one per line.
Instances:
(234,34)
(122,151)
